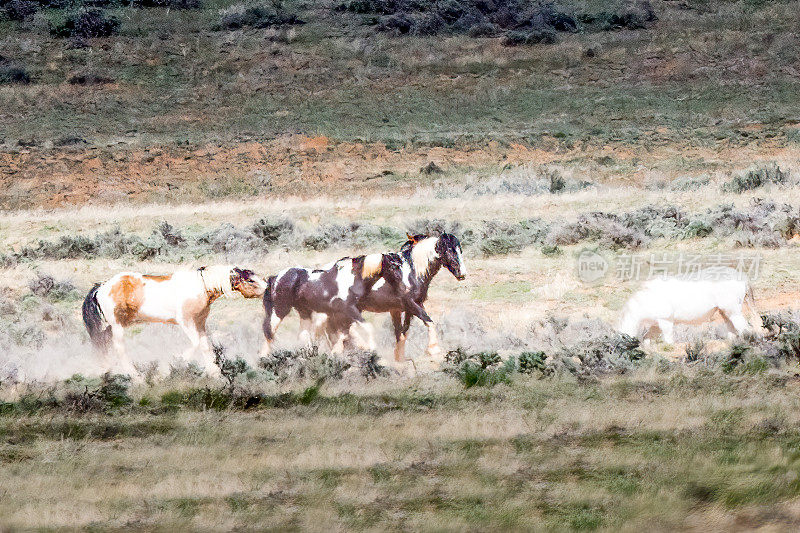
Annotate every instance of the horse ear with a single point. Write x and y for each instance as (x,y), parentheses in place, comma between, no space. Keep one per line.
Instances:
(412,238)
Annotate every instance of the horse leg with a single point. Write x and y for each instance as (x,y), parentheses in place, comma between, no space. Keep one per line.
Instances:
(666,328)
(305,330)
(201,347)
(337,347)
(271,324)
(205,348)
(123,362)
(319,326)
(415,309)
(399,336)
(736,322)
(369,332)
(433,351)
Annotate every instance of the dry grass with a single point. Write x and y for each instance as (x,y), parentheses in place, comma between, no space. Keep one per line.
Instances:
(683,450)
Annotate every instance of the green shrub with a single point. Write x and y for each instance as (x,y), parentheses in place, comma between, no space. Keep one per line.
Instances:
(756,178)
(369,363)
(479,369)
(695,351)
(529,362)
(243,15)
(472,374)
(45,286)
(11,73)
(271,231)
(735,357)
(551,250)
(87,23)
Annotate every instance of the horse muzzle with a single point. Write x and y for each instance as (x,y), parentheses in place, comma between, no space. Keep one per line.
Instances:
(461,277)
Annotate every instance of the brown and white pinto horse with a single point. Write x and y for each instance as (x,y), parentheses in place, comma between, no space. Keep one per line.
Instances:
(419,260)
(183,298)
(421,257)
(335,291)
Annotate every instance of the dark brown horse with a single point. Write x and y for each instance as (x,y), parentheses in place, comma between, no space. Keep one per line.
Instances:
(336,291)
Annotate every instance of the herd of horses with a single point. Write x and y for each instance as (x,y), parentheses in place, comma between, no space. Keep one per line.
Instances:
(330,301)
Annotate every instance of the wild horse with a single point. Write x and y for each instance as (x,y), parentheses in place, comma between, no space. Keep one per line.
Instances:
(418,261)
(183,298)
(336,291)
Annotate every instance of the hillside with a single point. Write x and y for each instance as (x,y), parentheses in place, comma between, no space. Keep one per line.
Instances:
(193,101)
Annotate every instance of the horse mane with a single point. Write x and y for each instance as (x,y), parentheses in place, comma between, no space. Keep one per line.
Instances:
(372,265)
(422,254)
(217,278)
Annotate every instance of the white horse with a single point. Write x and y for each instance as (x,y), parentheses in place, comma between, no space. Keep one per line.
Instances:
(183,298)
(665,301)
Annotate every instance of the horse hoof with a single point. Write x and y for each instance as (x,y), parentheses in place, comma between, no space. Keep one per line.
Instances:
(434,351)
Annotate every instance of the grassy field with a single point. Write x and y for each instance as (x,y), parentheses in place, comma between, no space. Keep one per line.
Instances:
(685,449)
(333,107)
(662,440)
(180,140)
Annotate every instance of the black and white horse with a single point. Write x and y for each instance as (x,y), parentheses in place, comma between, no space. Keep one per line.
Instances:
(418,261)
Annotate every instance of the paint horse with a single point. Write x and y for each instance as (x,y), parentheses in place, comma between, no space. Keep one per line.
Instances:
(335,291)
(419,260)
(183,298)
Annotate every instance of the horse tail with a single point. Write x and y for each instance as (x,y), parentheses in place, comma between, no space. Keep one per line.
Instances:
(750,301)
(93,320)
(269,307)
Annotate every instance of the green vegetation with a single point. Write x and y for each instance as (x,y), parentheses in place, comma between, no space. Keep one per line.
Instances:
(540,454)
(179,82)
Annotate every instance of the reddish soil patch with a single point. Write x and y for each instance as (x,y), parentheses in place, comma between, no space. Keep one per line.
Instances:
(295,164)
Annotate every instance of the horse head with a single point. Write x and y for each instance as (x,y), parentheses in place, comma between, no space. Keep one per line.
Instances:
(449,251)
(247,283)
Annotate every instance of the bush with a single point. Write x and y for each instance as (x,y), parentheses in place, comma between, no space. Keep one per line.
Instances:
(695,351)
(369,364)
(501,238)
(756,178)
(783,331)
(171,236)
(89,78)
(12,73)
(604,352)
(229,368)
(271,231)
(20,9)
(255,16)
(517,37)
(436,226)
(735,357)
(109,395)
(607,229)
(304,363)
(529,362)
(112,243)
(689,183)
(483,369)
(172,4)
(46,286)
(521,21)
(87,23)
(635,16)
(354,234)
